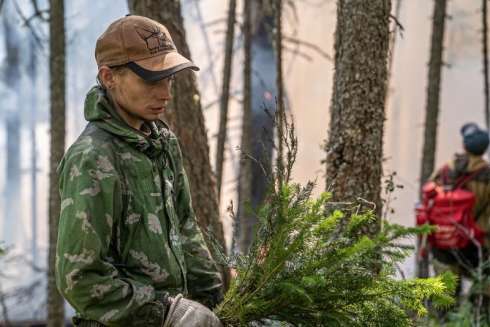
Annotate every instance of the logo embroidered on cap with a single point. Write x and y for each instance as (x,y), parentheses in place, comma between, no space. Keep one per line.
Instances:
(156,40)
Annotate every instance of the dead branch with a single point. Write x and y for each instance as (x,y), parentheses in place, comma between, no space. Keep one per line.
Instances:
(309,45)
(397,22)
(39,13)
(298,53)
(28,23)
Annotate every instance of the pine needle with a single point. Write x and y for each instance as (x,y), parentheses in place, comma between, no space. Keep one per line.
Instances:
(297,273)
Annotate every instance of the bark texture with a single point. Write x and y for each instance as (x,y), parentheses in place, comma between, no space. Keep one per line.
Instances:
(354,147)
(56,310)
(184,114)
(433,91)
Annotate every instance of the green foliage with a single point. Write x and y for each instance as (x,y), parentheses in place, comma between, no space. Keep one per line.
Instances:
(464,315)
(297,273)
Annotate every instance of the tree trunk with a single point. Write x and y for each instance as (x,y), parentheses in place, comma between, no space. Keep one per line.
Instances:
(32,73)
(354,148)
(12,231)
(432,111)
(56,310)
(485,63)
(263,92)
(279,78)
(245,181)
(184,114)
(391,51)
(225,96)
(433,91)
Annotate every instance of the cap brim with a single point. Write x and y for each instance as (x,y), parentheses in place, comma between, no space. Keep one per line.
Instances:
(157,68)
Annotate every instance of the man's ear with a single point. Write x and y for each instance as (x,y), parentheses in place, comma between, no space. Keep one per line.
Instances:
(106,76)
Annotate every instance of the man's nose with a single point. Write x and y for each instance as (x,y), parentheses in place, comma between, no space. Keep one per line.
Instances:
(164,92)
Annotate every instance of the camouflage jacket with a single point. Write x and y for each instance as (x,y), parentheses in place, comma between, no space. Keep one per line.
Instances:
(467,163)
(128,235)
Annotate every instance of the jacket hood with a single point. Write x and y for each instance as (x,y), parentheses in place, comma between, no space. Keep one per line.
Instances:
(98,110)
(97,106)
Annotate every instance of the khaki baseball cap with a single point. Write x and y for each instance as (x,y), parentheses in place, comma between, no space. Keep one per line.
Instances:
(143,45)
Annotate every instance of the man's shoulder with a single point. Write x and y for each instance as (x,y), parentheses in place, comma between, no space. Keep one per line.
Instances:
(92,143)
(477,165)
(483,175)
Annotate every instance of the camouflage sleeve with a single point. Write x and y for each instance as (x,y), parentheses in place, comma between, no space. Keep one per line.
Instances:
(203,278)
(91,202)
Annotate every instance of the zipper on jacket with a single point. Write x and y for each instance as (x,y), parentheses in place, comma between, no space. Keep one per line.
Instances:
(168,221)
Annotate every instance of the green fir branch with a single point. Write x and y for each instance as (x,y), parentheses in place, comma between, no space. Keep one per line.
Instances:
(299,273)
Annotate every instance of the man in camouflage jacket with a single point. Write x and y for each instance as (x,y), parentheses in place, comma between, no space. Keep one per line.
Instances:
(130,252)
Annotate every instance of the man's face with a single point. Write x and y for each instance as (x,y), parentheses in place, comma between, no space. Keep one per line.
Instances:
(139,100)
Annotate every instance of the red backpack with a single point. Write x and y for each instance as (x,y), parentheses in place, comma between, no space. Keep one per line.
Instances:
(449,206)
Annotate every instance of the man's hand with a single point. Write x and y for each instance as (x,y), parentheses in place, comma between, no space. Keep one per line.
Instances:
(187,313)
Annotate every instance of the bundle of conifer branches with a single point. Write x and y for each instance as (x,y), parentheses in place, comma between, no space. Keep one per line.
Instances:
(304,269)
